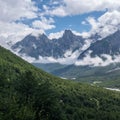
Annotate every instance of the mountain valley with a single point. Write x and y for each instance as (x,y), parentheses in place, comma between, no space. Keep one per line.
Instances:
(70,57)
(30,93)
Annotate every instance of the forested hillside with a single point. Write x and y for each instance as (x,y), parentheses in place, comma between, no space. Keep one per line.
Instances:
(27,93)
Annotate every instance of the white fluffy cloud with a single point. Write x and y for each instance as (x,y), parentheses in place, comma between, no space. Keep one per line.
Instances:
(13,32)
(44,23)
(76,7)
(80,6)
(58,11)
(11,10)
(56,35)
(60,34)
(98,61)
(105,25)
(68,59)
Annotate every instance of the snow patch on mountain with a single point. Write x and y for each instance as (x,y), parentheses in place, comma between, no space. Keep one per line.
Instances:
(34,46)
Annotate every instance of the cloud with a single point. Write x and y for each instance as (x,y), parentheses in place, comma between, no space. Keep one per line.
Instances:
(58,11)
(60,34)
(84,23)
(76,33)
(76,7)
(14,32)
(44,24)
(55,35)
(86,34)
(98,61)
(86,44)
(26,58)
(106,24)
(26,9)
(69,58)
(11,10)
(79,6)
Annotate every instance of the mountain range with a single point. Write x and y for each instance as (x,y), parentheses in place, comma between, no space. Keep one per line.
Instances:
(70,47)
(109,45)
(42,46)
(70,56)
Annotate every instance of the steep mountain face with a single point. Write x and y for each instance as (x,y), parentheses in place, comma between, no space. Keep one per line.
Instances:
(27,93)
(68,42)
(34,46)
(67,45)
(43,46)
(109,45)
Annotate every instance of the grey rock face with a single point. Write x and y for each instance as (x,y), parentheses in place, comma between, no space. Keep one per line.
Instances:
(43,46)
(109,45)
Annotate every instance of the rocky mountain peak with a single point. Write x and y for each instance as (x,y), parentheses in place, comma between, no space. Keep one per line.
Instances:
(67,34)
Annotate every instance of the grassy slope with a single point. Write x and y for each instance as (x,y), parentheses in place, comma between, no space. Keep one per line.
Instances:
(28,93)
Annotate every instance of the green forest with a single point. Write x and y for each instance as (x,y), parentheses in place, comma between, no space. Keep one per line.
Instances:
(28,93)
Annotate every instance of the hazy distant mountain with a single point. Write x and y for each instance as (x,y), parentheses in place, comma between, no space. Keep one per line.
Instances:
(42,46)
(109,45)
(65,47)
(33,46)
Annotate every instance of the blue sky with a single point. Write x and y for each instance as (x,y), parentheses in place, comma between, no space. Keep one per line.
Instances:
(73,22)
(85,17)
